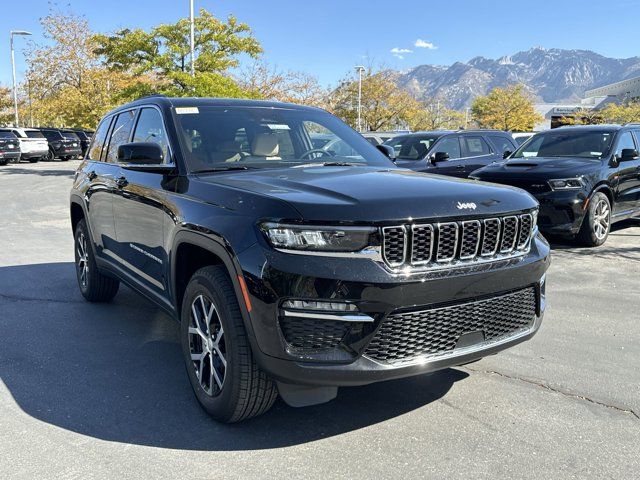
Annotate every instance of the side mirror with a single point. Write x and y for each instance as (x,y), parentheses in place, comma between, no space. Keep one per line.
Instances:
(628,154)
(439,157)
(140,153)
(388,151)
(506,153)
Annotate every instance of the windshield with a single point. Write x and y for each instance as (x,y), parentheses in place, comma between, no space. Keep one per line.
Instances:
(218,138)
(413,147)
(34,134)
(558,143)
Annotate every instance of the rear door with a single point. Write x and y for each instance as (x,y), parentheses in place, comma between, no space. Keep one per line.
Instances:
(476,153)
(99,195)
(628,189)
(139,204)
(455,166)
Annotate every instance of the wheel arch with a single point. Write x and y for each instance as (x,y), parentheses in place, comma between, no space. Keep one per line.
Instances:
(77,212)
(191,251)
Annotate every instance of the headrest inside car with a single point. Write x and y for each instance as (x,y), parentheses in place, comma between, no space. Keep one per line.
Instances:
(265,145)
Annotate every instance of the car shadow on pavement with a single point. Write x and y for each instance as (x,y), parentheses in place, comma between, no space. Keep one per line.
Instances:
(11,170)
(115,372)
(620,229)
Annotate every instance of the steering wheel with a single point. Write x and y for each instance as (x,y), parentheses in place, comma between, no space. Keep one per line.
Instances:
(317,150)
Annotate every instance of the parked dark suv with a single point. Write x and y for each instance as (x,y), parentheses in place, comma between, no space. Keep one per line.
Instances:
(62,144)
(9,148)
(585,178)
(291,269)
(456,154)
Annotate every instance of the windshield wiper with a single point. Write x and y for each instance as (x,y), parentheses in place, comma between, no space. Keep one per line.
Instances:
(223,169)
(327,164)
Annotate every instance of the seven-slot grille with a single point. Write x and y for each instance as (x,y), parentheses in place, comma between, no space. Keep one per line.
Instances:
(407,335)
(443,243)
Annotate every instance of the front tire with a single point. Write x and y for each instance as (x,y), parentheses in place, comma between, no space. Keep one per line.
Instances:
(50,156)
(224,376)
(34,160)
(94,286)
(597,221)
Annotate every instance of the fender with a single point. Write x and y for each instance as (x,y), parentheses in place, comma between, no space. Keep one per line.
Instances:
(219,247)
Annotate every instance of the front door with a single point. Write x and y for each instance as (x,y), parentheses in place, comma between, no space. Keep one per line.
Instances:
(139,207)
(455,165)
(628,183)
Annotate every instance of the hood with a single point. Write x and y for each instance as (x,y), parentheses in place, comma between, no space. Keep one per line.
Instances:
(366,194)
(538,167)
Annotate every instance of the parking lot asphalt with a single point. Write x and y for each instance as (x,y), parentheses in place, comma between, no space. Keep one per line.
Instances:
(99,391)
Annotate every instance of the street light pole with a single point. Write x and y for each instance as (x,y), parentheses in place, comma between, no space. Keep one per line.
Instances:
(13,70)
(360,69)
(192,39)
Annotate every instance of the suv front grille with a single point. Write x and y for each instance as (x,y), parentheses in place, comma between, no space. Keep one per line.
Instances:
(441,244)
(404,336)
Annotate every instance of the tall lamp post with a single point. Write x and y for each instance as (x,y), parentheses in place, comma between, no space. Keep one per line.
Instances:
(360,69)
(13,69)
(192,38)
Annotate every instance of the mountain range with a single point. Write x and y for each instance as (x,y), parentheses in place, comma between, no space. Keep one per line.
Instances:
(550,75)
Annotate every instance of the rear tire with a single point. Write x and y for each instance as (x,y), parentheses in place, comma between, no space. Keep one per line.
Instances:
(3,161)
(94,286)
(597,221)
(33,160)
(50,156)
(216,349)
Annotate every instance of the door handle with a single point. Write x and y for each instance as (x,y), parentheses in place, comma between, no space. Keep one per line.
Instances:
(460,167)
(92,175)
(122,182)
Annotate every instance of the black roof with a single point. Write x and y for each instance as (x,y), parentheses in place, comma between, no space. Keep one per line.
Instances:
(161,100)
(602,127)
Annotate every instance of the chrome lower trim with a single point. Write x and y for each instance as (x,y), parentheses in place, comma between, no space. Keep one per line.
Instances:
(347,317)
(372,253)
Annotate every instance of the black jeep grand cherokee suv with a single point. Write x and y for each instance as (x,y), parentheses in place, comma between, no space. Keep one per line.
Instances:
(585,178)
(292,270)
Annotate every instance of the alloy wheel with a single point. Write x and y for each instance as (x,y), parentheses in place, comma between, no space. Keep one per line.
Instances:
(82,263)
(207,345)
(601,219)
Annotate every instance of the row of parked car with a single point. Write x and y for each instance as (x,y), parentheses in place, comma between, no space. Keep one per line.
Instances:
(34,144)
(585,178)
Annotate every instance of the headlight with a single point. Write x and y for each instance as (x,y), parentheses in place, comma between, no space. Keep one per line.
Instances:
(566,184)
(319,238)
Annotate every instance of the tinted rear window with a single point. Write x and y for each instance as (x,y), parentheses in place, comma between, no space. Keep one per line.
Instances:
(7,135)
(34,134)
(70,136)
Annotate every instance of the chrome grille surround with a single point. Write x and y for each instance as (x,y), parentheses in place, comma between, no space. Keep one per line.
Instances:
(394,245)
(457,243)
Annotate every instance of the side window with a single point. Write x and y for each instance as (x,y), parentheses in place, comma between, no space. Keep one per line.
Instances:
(475,146)
(625,141)
(151,129)
(501,144)
(97,143)
(637,134)
(120,134)
(450,145)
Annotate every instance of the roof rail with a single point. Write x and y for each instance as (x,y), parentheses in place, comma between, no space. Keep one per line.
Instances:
(162,95)
(632,124)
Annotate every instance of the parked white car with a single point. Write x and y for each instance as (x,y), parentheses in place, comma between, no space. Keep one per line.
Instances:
(33,144)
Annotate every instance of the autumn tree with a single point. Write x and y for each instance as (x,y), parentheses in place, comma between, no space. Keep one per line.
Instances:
(266,81)
(162,54)
(621,113)
(508,109)
(66,83)
(432,115)
(385,105)
(6,105)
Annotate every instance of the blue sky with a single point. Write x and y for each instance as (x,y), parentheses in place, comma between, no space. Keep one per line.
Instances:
(328,37)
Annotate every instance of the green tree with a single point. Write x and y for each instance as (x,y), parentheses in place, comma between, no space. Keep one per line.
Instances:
(508,109)
(384,104)
(162,55)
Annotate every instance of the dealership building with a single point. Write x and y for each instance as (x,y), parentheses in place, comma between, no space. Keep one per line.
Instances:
(554,114)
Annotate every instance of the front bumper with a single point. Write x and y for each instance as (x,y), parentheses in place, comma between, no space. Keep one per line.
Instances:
(561,212)
(273,276)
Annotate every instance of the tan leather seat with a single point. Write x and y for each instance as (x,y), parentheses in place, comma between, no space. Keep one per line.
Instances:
(265,145)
